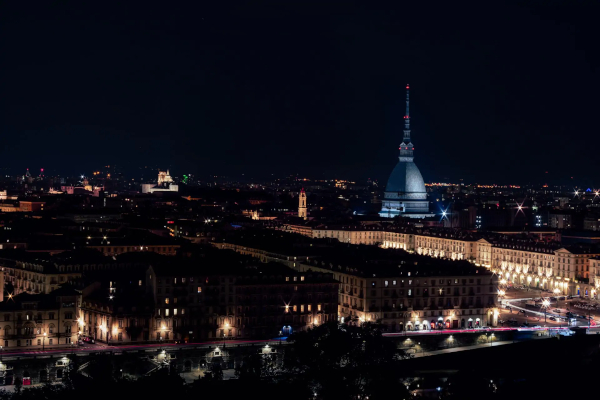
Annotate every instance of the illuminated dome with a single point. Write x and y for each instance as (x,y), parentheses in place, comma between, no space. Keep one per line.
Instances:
(406,178)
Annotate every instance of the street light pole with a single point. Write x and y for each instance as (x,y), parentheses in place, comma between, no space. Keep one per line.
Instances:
(545,304)
(44,342)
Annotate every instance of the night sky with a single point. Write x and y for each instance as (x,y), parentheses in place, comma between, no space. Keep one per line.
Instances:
(498,93)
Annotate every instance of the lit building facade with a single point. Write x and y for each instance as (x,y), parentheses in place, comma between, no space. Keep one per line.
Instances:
(401,302)
(546,266)
(42,320)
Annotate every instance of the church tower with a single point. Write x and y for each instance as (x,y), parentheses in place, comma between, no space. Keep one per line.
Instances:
(302,212)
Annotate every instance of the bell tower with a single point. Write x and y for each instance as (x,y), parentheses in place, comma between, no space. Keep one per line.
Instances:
(302,211)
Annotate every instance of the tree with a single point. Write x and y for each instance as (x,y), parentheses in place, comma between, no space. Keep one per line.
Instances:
(18,384)
(345,361)
(215,373)
(258,366)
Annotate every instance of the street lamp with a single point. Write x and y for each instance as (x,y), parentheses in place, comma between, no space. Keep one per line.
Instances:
(44,342)
(545,305)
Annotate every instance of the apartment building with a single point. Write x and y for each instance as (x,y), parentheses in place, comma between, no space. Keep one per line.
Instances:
(285,302)
(39,321)
(415,295)
(545,265)
(118,308)
(403,290)
(224,297)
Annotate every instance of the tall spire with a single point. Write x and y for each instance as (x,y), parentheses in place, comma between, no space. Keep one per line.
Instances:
(407,118)
(406,147)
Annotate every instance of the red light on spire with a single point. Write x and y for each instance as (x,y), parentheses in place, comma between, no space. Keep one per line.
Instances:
(407,87)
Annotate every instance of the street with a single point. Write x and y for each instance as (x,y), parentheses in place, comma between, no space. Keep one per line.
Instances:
(11,354)
(516,300)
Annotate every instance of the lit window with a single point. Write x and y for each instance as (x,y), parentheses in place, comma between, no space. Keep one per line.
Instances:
(199,289)
(166,312)
(166,301)
(318,307)
(309,307)
(302,278)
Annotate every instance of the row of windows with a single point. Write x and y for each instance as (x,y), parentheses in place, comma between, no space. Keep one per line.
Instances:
(68,315)
(167,312)
(40,342)
(33,331)
(454,281)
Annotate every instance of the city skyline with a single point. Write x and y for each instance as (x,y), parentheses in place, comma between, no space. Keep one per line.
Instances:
(323,202)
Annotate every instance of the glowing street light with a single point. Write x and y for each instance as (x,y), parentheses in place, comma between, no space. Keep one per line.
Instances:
(545,305)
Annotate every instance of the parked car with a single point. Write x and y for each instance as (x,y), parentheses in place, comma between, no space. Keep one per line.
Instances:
(552,319)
